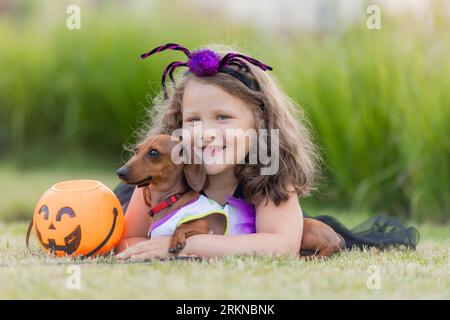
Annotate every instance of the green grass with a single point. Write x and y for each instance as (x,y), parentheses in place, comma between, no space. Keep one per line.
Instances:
(423,274)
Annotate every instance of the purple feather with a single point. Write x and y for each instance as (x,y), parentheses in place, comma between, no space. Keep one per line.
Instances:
(245,217)
(204,62)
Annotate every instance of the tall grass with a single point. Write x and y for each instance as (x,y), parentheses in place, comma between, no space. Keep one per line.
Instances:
(378,101)
(381,107)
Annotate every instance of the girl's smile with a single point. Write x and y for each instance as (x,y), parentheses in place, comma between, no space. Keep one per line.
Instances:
(211,150)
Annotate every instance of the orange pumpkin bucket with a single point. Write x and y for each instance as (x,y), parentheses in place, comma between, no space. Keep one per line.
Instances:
(78,218)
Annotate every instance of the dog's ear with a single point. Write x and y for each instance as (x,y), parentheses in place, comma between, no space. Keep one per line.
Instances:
(147,197)
(195,176)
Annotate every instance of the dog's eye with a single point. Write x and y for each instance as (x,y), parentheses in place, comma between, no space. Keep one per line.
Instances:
(153,153)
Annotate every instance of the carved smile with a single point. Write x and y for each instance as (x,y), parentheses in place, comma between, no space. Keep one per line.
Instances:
(71,242)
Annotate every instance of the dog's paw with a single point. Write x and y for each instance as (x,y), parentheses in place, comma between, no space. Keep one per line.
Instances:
(177,248)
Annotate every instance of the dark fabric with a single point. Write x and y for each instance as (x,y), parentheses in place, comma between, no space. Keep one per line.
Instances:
(249,83)
(380,231)
(123,192)
(239,192)
(252,84)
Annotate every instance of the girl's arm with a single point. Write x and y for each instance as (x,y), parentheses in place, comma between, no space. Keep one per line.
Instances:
(278,231)
(137,222)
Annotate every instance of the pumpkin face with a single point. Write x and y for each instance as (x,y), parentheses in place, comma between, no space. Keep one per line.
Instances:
(78,217)
(71,241)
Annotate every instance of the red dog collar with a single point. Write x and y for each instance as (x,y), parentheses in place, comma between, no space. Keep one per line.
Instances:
(167,202)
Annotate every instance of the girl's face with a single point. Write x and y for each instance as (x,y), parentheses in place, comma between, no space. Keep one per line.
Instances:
(218,122)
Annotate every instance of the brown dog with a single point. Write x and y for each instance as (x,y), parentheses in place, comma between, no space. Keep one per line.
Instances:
(151,167)
(319,240)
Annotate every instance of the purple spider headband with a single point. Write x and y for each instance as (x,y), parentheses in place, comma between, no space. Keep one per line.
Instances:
(206,63)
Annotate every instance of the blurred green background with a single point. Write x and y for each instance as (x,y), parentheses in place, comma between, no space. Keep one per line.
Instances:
(378,100)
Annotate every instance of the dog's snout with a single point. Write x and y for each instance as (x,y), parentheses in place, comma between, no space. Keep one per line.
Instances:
(122,173)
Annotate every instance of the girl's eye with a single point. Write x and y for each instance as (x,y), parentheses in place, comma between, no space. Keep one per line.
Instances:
(192,120)
(222,117)
(153,153)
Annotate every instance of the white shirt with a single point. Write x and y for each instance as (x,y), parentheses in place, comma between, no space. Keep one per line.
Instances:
(193,210)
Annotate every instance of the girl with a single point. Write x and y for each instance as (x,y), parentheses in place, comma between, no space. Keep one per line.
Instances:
(225,90)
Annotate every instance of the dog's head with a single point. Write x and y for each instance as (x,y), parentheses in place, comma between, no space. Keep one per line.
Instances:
(152,164)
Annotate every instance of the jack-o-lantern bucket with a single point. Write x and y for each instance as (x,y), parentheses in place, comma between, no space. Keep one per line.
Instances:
(78,218)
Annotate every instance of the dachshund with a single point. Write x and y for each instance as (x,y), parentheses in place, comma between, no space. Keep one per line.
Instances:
(320,240)
(152,168)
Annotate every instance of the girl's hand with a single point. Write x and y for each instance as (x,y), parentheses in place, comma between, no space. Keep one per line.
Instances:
(153,248)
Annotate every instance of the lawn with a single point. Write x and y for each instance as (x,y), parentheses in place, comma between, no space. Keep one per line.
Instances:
(420,274)
(423,274)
